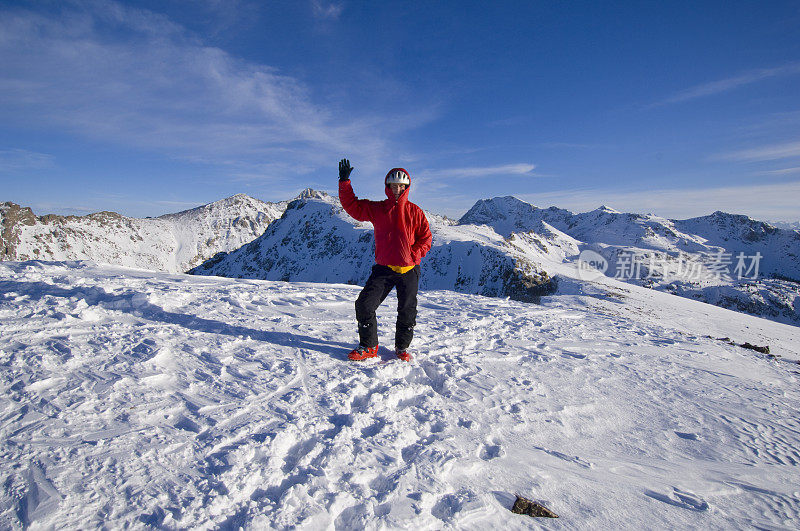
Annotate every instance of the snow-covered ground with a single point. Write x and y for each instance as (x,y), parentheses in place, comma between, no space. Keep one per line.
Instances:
(132,398)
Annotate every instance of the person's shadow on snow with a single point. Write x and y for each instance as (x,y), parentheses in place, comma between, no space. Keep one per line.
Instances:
(127,302)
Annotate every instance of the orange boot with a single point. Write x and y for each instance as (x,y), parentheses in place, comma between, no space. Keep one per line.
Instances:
(361,353)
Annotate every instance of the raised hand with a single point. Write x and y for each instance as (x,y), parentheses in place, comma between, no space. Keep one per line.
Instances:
(344,169)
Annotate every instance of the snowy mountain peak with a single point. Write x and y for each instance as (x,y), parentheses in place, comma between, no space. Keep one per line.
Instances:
(607,210)
(310,193)
(730,218)
(509,214)
(488,210)
(236,198)
(725,226)
(504,214)
(238,201)
(172,242)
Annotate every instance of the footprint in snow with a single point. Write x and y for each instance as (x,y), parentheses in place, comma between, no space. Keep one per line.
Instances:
(688,436)
(682,499)
(491,451)
(438,426)
(466,423)
(296,453)
(568,458)
(184,423)
(374,429)
(662,341)
(513,408)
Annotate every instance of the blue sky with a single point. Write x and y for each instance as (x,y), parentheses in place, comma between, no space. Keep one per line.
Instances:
(144,108)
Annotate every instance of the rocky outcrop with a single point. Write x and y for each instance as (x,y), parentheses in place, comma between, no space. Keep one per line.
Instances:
(12,218)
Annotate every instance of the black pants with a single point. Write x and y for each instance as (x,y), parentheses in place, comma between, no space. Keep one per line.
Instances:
(377,288)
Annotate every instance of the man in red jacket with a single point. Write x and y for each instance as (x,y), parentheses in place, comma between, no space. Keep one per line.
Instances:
(402,238)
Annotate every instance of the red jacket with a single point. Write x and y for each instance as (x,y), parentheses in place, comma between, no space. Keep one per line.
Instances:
(402,234)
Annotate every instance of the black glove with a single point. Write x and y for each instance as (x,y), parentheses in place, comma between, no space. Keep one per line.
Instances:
(344,170)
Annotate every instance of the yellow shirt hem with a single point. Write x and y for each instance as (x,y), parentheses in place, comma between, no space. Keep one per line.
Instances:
(401,269)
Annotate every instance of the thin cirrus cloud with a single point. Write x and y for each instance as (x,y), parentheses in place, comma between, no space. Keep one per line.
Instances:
(326,10)
(159,88)
(725,85)
(783,171)
(484,171)
(763,201)
(15,160)
(764,153)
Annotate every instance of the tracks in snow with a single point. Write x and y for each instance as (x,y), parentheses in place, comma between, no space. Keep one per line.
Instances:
(132,400)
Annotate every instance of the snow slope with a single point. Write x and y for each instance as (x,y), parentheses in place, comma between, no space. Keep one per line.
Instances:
(172,243)
(132,399)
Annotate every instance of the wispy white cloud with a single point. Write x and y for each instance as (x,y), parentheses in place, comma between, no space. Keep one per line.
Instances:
(571,145)
(327,10)
(15,160)
(770,123)
(725,85)
(770,152)
(783,171)
(760,201)
(154,85)
(482,171)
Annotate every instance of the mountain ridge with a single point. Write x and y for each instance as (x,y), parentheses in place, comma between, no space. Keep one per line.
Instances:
(315,240)
(697,257)
(509,248)
(171,243)
(502,247)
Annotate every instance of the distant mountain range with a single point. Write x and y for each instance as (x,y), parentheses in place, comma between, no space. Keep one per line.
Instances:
(729,260)
(790,225)
(502,247)
(172,243)
(315,240)
(612,233)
